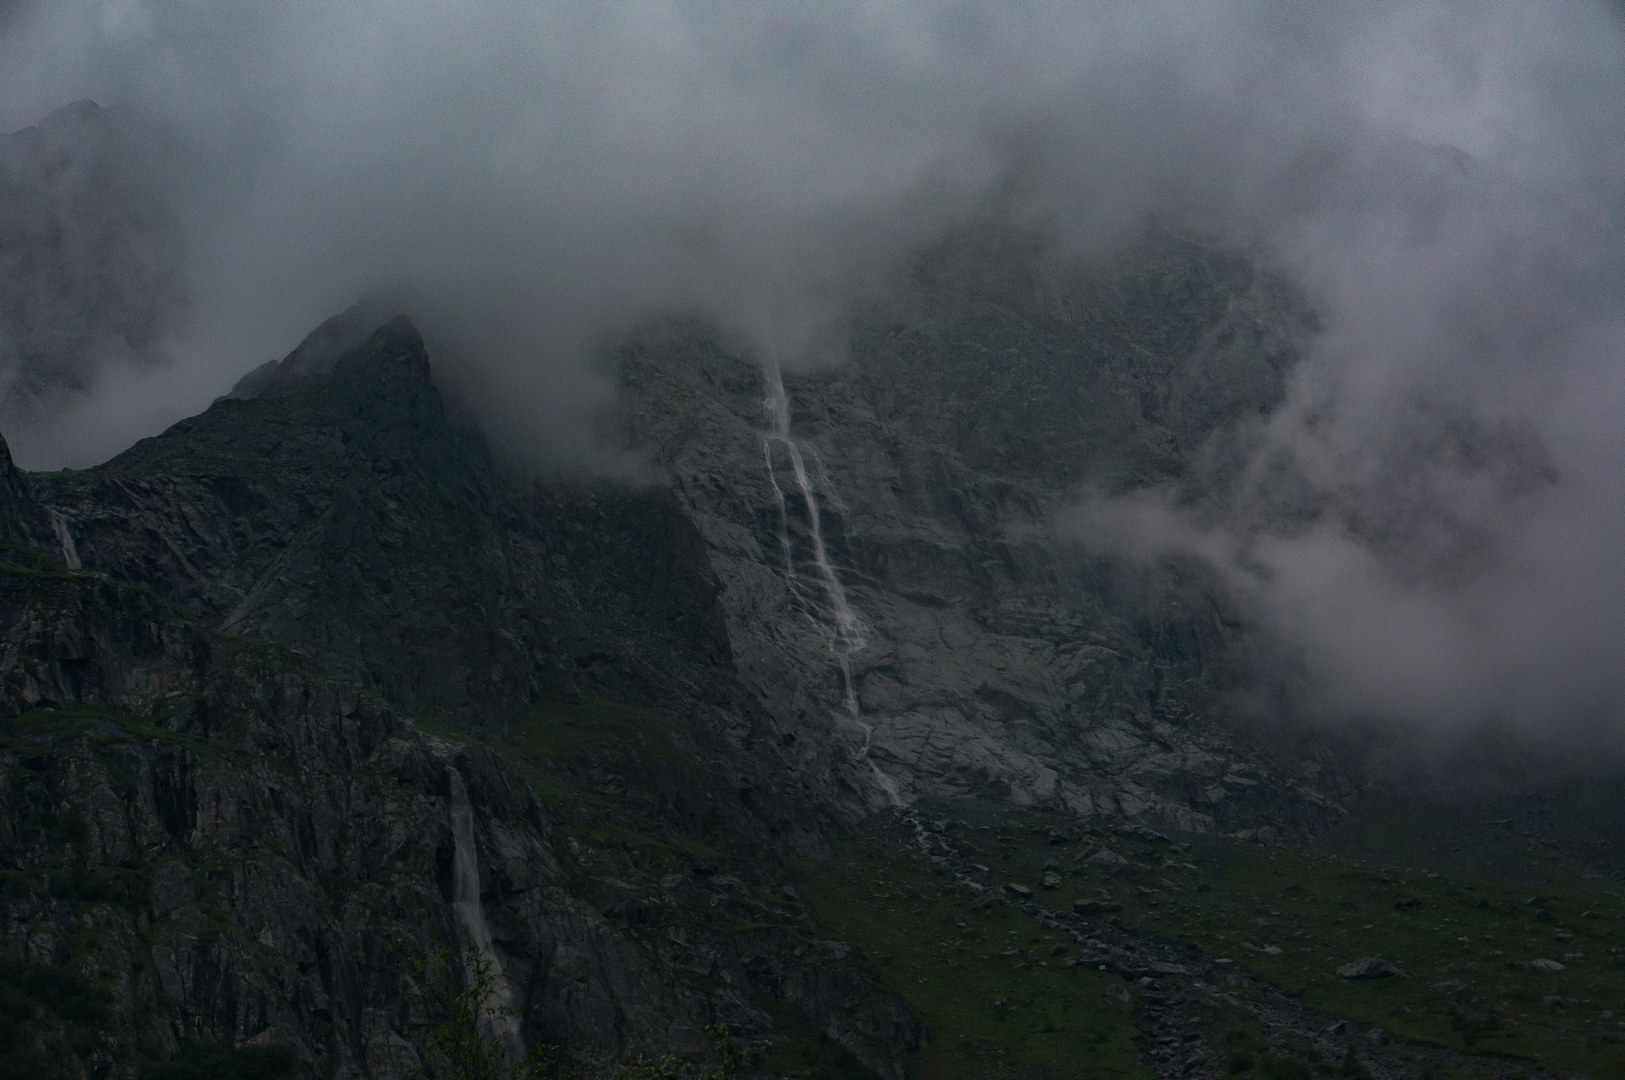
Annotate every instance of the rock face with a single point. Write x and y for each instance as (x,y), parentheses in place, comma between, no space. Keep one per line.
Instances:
(990,659)
(217,793)
(305,700)
(267,855)
(339,511)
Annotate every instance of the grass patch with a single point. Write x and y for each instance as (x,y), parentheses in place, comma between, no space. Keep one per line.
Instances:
(209,1061)
(991,985)
(552,741)
(1293,917)
(570,731)
(22,560)
(31,730)
(120,886)
(807,1053)
(49,1019)
(68,996)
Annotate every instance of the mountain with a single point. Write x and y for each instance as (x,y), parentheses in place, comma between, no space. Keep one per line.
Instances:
(215,706)
(998,661)
(322,730)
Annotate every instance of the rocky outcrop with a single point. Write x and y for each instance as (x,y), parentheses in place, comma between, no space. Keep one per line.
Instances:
(248,853)
(21,519)
(338,511)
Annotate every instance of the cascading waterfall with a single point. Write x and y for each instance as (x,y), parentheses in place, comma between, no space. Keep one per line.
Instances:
(849,632)
(70,554)
(499,1017)
(784,512)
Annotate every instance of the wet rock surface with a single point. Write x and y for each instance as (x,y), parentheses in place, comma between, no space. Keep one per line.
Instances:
(997,659)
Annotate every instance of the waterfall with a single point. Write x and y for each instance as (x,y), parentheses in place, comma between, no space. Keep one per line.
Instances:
(882,781)
(497,1013)
(784,512)
(849,631)
(70,554)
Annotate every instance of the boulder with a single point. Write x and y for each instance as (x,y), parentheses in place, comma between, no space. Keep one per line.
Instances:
(1095,907)
(1370,967)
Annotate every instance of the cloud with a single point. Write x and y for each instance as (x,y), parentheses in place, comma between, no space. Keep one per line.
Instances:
(533,176)
(1429,516)
(1427,527)
(544,173)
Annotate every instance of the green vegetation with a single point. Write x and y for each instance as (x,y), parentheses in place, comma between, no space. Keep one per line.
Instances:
(993,987)
(122,886)
(20,560)
(575,754)
(210,1061)
(63,993)
(806,1052)
(551,739)
(49,1017)
(594,763)
(570,731)
(1245,1051)
(999,993)
(1557,832)
(467,1044)
(32,730)
(1465,947)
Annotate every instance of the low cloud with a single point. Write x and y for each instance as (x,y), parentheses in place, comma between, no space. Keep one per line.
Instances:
(1429,519)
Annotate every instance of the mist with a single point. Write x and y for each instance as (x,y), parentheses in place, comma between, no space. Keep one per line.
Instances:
(1428,524)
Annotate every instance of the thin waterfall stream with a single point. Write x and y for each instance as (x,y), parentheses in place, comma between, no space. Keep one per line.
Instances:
(849,632)
(70,553)
(497,1012)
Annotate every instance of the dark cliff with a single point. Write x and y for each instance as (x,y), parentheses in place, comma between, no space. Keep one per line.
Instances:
(323,675)
(224,804)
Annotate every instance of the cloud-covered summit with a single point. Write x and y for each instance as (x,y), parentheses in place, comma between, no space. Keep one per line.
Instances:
(1445,182)
(89,253)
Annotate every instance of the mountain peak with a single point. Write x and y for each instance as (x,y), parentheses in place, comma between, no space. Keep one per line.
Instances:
(362,326)
(75,112)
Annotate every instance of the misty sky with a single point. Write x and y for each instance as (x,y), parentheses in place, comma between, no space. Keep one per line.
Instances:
(1446,182)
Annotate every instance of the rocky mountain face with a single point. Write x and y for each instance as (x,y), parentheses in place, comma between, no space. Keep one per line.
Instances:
(308,702)
(220,793)
(894,582)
